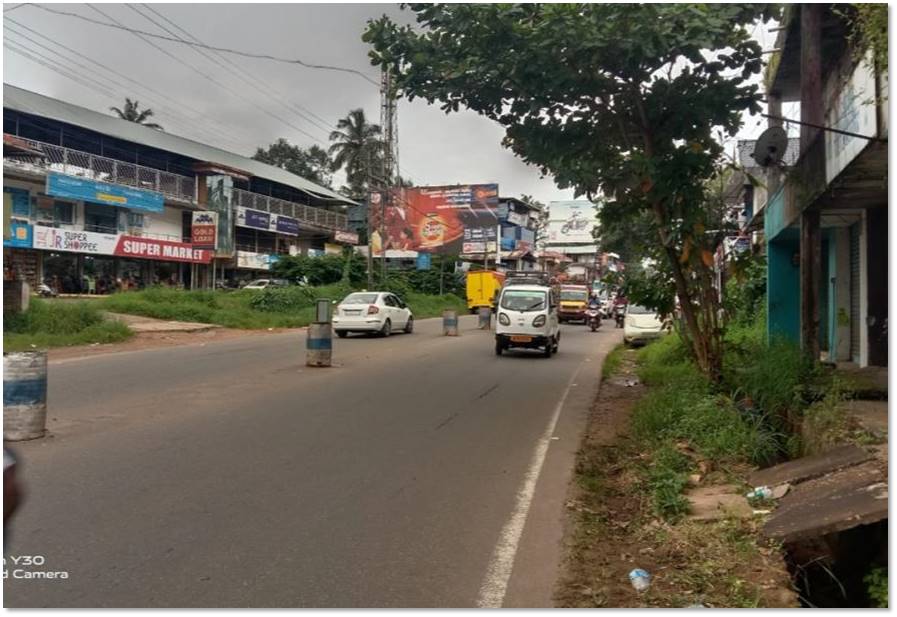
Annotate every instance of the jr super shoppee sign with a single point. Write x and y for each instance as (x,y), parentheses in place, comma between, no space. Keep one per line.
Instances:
(52,239)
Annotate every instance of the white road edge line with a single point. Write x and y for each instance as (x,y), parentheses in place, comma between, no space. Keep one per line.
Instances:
(495,584)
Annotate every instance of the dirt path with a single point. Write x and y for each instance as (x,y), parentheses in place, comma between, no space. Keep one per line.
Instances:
(611,529)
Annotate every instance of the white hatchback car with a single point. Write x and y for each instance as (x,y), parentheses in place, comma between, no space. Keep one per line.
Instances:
(641,325)
(372,311)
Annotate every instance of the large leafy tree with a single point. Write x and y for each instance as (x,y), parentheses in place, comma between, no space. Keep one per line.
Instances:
(132,113)
(618,100)
(357,148)
(311,163)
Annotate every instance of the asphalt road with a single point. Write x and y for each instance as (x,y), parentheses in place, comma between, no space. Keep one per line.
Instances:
(420,471)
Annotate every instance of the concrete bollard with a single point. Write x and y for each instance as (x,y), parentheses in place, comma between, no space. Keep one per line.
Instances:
(450,322)
(319,345)
(485,315)
(24,395)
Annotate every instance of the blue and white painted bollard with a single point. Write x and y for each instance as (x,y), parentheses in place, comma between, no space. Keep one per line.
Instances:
(450,322)
(319,344)
(24,395)
(485,315)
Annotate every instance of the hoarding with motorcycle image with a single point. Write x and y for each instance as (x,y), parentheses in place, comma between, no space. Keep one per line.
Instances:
(571,221)
(431,219)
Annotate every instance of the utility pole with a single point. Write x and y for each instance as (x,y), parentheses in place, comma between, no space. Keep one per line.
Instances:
(389,155)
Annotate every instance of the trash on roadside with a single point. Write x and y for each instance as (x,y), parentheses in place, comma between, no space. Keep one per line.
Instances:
(640,579)
(631,383)
(695,606)
(695,479)
(760,492)
(760,512)
(767,493)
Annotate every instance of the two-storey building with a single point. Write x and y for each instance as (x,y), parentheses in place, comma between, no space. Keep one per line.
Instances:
(93,203)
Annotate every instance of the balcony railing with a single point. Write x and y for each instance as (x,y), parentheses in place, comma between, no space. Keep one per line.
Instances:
(315,217)
(50,157)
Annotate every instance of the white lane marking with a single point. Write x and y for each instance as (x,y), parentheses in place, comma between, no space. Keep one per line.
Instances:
(495,584)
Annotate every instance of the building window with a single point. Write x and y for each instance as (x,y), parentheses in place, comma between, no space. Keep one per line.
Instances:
(135,219)
(64,212)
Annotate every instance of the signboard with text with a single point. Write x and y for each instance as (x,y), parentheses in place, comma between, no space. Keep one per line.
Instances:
(257,219)
(204,230)
(83,189)
(88,242)
(346,237)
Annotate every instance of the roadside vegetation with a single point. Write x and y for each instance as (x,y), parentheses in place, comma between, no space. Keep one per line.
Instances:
(60,324)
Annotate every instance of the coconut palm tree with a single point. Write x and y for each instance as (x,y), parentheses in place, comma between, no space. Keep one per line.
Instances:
(132,113)
(357,148)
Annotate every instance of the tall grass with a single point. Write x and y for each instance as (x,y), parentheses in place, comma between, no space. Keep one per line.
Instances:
(59,324)
(289,307)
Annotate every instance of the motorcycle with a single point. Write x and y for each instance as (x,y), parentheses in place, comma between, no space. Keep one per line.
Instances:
(45,291)
(620,315)
(593,318)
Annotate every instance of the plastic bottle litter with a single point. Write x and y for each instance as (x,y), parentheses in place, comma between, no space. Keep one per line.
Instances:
(640,579)
(761,492)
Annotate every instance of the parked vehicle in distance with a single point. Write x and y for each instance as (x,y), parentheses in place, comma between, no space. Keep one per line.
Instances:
(371,312)
(528,318)
(574,299)
(483,287)
(641,325)
(267,283)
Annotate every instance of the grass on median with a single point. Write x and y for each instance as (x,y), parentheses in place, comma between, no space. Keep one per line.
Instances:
(289,307)
(60,324)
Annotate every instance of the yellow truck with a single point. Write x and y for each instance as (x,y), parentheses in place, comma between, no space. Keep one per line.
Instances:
(574,299)
(483,288)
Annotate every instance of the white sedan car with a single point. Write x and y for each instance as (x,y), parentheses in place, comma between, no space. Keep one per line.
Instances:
(641,325)
(372,311)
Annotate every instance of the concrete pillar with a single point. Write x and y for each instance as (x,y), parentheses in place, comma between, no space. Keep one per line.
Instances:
(810,270)
(485,318)
(811,104)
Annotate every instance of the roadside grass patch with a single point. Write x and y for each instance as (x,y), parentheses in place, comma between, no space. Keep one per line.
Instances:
(612,361)
(60,324)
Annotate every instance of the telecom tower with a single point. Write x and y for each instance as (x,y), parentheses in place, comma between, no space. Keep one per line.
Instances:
(389,172)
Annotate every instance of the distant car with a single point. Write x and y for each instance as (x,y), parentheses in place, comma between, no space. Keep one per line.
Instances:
(641,325)
(267,283)
(372,312)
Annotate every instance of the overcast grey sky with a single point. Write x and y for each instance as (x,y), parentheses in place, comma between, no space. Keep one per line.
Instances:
(214,103)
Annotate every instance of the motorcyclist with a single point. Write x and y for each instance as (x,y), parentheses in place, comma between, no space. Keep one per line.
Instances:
(594,302)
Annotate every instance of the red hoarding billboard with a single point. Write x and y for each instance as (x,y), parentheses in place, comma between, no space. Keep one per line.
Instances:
(431,219)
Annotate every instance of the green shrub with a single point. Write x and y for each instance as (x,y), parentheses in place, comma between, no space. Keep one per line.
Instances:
(667,477)
(877,587)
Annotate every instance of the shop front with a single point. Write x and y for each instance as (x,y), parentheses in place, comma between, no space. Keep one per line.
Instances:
(96,263)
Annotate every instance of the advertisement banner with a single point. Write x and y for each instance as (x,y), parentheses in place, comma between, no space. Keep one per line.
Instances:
(254,219)
(286,225)
(220,198)
(20,235)
(346,237)
(52,239)
(431,219)
(254,261)
(258,219)
(571,221)
(162,250)
(61,185)
(204,230)
(423,261)
(515,218)
(333,249)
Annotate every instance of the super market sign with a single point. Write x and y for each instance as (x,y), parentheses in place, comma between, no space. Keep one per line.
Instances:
(52,239)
